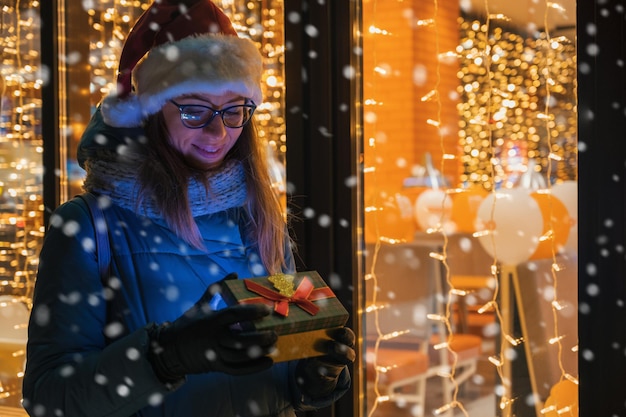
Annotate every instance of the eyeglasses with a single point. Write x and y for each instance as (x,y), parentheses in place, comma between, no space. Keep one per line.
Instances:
(195,116)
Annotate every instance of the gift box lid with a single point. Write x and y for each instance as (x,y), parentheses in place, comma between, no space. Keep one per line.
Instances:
(301,301)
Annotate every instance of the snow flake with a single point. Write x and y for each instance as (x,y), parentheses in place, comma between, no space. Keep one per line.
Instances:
(324,220)
(587,355)
(93,300)
(100,139)
(593,49)
(56,220)
(293,17)
(171,52)
(88,244)
(172,293)
(308,213)
(312,31)
(72,298)
(133,354)
(593,289)
(123,390)
(351,181)
(114,283)
(592,29)
(66,370)
(41,315)
(349,72)
(254,407)
(155,399)
(100,379)
(114,329)
(71,228)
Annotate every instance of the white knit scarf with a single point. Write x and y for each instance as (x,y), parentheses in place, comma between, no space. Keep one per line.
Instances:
(118,179)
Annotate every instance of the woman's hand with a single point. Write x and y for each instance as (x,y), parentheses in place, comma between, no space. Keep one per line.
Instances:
(203,340)
(318,376)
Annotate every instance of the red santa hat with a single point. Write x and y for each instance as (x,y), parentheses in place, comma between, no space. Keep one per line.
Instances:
(179,47)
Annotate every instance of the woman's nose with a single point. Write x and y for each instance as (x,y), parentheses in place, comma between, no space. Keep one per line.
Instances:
(215,127)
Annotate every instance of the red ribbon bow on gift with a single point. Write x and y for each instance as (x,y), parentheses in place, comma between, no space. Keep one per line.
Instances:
(281,302)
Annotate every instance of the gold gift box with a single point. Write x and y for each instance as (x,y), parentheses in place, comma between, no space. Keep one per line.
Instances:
(305,308)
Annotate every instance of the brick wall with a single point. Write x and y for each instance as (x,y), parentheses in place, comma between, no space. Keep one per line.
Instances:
(399,68)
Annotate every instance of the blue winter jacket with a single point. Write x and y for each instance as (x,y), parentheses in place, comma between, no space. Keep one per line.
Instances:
(86,353)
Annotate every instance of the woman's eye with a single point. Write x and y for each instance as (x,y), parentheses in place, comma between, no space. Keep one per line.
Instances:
(195,112)
(192,116)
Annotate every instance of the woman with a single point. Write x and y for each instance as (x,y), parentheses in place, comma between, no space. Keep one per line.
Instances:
(187,201)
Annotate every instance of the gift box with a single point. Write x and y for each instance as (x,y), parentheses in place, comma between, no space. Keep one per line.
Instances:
(304,308)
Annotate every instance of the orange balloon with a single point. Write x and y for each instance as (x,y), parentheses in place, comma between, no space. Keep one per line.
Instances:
(563,400)
(465,208)
(389,216)
(556,219)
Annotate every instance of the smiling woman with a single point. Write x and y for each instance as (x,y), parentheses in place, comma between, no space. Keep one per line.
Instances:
(188,204)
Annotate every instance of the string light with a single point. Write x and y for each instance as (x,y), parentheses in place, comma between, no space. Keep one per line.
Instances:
(425,22)
(556,268)
(431,94)
(393,335)
(432,122)
(486,307)
(523,60)
(512,340)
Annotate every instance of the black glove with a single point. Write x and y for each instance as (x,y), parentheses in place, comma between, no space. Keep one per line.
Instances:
(318,376)
(202,340)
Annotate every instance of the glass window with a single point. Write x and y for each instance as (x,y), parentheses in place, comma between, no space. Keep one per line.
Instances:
(21,169)
(470,206)
(90,40)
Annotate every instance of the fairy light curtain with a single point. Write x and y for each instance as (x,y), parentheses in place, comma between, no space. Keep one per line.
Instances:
(516,157)
(520,70)
(21,78)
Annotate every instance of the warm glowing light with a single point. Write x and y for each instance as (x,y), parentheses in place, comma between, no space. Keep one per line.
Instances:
(425,22)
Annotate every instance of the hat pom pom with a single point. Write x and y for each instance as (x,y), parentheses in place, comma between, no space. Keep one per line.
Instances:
(126,112)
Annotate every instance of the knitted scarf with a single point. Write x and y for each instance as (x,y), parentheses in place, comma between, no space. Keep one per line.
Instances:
(117,178)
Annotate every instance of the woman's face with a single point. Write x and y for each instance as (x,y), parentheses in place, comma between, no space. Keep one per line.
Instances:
(206,147)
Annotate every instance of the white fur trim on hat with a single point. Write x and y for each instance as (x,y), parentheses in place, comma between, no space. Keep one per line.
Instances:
(212,63)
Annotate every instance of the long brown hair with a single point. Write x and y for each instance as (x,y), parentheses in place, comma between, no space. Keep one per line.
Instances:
(164,176)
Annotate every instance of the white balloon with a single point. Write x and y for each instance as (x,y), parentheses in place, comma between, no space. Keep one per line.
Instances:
(431,210)
(515,222)
(567,192)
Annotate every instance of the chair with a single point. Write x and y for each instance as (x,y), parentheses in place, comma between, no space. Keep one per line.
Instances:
(400,350)
(470,271)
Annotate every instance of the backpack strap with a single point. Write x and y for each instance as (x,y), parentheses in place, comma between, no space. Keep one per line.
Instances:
(103,248)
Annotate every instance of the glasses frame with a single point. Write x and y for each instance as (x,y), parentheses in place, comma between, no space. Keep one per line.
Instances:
(181,109)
